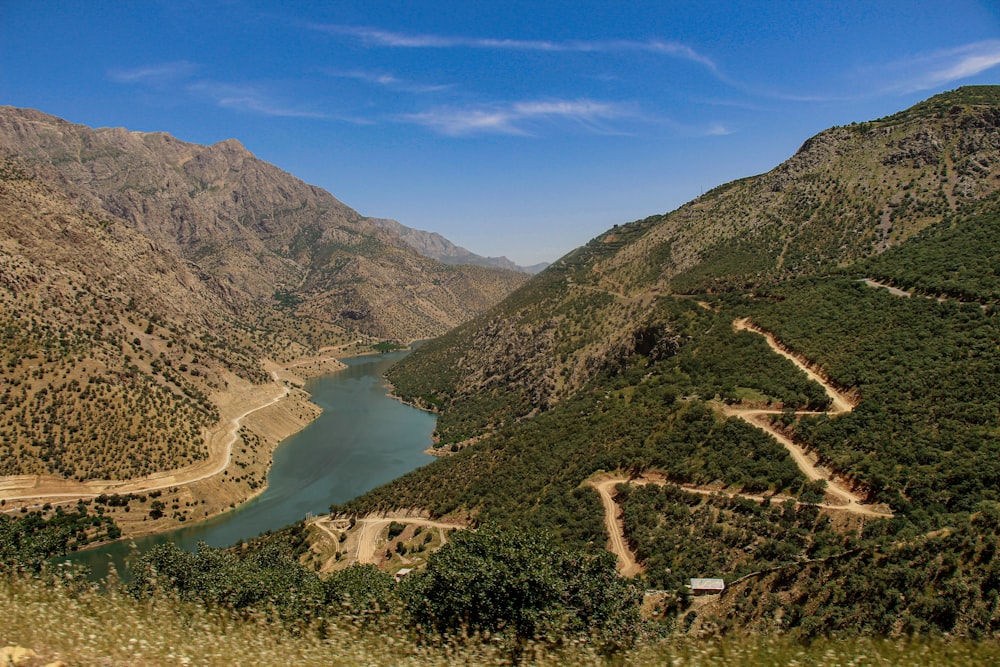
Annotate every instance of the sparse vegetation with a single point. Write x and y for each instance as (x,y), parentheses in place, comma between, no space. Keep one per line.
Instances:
(81,626)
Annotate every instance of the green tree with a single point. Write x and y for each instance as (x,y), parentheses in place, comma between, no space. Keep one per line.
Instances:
(518,582)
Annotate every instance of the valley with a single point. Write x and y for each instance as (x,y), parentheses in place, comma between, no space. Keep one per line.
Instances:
(163,302)
(736,389)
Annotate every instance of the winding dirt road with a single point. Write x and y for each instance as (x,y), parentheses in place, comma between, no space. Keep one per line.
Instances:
(758,418)
(219,440)
(840,403)
(371,528)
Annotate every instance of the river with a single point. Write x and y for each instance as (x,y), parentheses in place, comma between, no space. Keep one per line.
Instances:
(362,439)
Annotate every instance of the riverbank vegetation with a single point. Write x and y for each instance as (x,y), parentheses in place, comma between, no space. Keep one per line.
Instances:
(29,539)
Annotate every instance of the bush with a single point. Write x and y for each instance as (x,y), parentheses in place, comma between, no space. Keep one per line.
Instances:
(519,584)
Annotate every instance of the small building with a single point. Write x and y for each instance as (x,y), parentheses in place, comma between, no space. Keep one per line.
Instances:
(707,586)
(401,573)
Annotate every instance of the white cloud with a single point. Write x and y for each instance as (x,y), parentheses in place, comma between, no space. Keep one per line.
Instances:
(377,37)
(247,98)
(386,80)
(518,118)
(178,78)
(718,130)
(943,67)
(463,122)
(154,74)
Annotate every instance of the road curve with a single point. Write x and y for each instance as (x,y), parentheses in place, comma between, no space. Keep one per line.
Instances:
(840,403)
(371,528)
(627,565)
(220,442)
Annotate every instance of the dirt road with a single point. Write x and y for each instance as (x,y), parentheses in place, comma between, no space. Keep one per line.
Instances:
(840,403)
(371,528)
(758,418)
(892,290)
(627,566)
(219,440)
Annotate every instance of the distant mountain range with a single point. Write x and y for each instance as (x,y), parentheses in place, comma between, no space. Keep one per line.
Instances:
(435,246)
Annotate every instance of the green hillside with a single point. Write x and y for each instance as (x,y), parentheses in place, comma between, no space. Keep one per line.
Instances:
(622,357)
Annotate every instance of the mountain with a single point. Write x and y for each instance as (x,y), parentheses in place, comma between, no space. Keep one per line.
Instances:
(254,229)
(144,277)
(651,384)
(435,246)
(848,194)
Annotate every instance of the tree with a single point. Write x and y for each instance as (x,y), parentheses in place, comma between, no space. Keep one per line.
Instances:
(517,582)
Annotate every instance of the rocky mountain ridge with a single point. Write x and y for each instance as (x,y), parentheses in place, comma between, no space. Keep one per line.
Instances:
(435,246)
(140,276)
(253,228)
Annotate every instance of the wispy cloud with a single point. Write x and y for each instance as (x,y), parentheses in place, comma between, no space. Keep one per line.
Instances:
(154,74)
(946,66)
(377,37)
(924,71)
(718,130)
(519,118)
(386,80)
(179,78)
(247,99)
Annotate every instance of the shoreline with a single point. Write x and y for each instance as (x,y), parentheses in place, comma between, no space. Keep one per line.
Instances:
(433,450)
(254,421)
(265,414)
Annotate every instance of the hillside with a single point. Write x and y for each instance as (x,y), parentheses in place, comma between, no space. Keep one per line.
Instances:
(261,237)
(150,287)
(849,193)
(623,358)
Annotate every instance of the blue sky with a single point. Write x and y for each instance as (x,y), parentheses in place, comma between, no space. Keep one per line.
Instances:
(514,128)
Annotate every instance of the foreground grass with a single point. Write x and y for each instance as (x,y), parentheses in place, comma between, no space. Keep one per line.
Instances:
(85,627)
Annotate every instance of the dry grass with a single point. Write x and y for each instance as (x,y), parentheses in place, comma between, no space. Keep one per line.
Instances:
(90,628)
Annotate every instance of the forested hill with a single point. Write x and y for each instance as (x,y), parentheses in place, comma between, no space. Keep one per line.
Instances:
(622,357)
(848,194)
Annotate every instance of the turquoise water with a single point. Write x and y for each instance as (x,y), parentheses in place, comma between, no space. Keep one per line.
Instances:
(362,439)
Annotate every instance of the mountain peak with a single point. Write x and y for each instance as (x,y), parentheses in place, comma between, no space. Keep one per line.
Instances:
(231,146)
(435,246)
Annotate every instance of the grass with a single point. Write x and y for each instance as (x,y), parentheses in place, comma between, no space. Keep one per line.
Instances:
(84,627)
